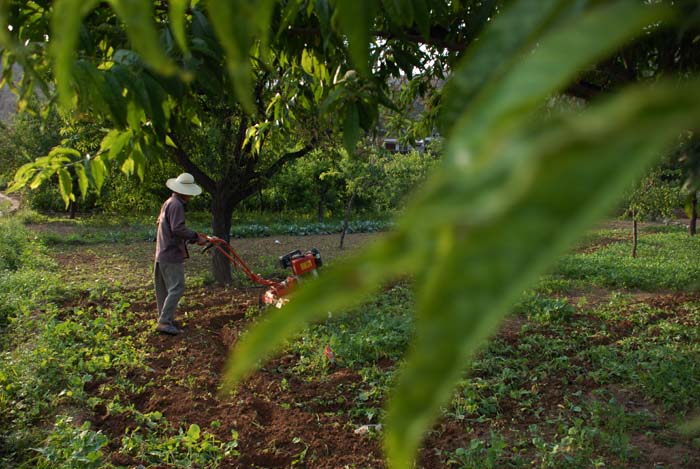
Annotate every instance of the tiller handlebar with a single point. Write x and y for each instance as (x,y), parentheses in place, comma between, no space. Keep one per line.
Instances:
(300,263)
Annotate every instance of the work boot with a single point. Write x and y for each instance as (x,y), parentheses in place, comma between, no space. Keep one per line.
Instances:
(167,329)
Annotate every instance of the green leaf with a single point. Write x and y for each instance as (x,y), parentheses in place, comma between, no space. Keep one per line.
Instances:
(139,161)
(351,128)
(513,30)
(514,193)
(239,24)
(65,185)
(98,170)
(138,17)
(113,143)
(176,13)
(65,28)
(354,18)
(83,182)
(22,176)
(5,40)
(553,181)
(547,69)
(422,17)
(193,433)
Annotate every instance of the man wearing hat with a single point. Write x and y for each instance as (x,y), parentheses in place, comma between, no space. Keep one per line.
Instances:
(171,250)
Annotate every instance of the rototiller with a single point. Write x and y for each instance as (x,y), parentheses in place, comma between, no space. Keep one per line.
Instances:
(302,264)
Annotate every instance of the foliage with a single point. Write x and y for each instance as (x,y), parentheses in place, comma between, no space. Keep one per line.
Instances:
(157,443)
(544,177)
(70,446)
(20,257)
(377,331)
(655,197)
(666,261)
(25,138)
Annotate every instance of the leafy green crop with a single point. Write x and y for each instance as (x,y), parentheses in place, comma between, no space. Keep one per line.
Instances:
(665,261)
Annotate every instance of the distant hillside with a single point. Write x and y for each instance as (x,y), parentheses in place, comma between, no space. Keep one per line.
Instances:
(8,101)
(8,104)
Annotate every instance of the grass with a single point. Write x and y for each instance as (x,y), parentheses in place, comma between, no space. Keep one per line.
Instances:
(598,365)
(666,261)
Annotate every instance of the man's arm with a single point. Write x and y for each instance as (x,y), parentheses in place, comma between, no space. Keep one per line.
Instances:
(177,223)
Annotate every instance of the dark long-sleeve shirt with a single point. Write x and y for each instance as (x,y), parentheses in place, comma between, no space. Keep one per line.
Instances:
(173,234)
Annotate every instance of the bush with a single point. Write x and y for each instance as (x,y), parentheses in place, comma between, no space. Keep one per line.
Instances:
(20,255)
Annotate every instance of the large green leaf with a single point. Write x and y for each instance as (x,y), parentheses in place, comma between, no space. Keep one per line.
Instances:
(65,29)
(547,69)
(514,31)
(176,13)
(83,182)
(354,18)
(550,183)
(138,16)
(239,24)
(98,170)
(512,196)
(65,185)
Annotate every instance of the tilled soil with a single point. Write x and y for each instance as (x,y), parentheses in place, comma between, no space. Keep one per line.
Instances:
(276,420)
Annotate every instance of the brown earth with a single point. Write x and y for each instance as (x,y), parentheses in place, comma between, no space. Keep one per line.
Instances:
(283,419)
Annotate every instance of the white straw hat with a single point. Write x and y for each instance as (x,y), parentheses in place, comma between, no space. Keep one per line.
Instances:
(184,184)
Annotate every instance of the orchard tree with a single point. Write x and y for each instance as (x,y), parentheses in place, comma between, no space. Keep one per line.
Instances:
(687,157)
(505,164)
(232,131)
(654,197)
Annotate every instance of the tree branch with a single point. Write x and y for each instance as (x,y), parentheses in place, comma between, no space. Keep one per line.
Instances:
(180,157)
(277,165)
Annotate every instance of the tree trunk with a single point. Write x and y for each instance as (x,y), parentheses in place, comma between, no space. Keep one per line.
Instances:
(322,191)
(692,226)
(221,211)
(346,222)
(321,209)
(635,236)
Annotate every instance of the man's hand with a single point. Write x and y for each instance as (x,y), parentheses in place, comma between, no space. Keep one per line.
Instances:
(201,239)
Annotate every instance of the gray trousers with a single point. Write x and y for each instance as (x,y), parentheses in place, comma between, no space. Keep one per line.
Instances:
(170,285)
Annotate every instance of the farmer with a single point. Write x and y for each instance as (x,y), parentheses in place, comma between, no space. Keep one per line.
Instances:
(171,250)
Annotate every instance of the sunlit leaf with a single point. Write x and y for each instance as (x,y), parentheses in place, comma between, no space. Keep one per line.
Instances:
(98,170)
(139,162)
(83,182)
(65,185)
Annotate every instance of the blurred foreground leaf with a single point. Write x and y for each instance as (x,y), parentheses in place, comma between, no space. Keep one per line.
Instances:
(515,192)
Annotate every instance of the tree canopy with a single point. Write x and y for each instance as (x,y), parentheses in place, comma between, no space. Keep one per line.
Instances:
(515,189)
